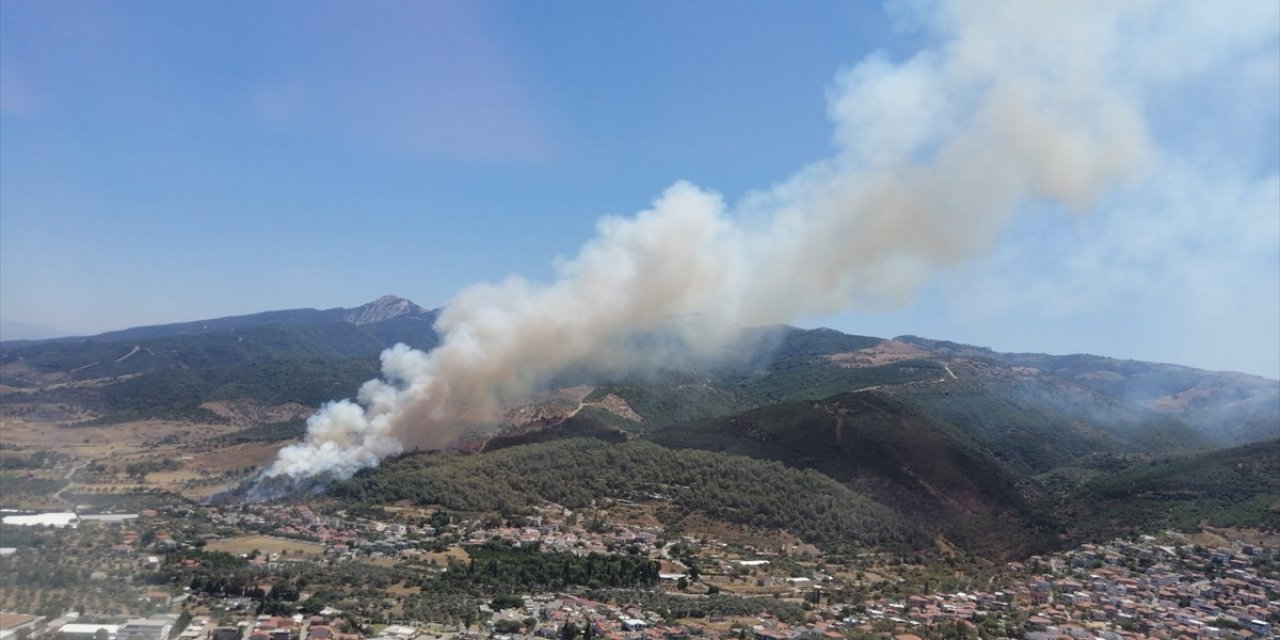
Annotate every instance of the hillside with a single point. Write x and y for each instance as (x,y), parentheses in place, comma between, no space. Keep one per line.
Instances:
(297,334)
(1237,487)
(1031,419)
(298,357)
(1009,402)
(577,472)
(924,468)
(1227,407)
(1230,408)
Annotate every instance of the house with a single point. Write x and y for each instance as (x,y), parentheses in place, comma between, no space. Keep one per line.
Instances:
(145,628)
(225,633)
(764,633)
(399,632)
(75,631)
(1260,627)
(320,632)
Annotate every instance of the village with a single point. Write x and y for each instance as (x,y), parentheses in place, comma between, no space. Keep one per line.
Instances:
(1150,587)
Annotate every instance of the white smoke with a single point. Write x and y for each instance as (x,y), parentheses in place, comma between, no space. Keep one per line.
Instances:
(1019,104)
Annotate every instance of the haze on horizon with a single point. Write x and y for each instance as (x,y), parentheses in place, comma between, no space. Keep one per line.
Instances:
(168,163)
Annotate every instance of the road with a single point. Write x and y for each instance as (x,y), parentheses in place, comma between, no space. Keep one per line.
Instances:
(70,472)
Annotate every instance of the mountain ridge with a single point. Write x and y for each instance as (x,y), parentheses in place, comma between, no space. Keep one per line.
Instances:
(977,446)
(384,308)
(1095,397)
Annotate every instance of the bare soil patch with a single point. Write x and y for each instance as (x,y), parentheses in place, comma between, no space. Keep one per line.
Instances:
(1178,402)
(886,352)
(1214,536)
(617,406)
(248,412)
(249,454)
(763,539)
(267,544)
(95,441)
(636,515)
(402,589)
(442,558)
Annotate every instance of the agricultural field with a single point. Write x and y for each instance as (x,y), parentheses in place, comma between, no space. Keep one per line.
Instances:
(247,545)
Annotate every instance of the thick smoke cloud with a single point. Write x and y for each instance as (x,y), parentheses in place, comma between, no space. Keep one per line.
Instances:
(1018,105)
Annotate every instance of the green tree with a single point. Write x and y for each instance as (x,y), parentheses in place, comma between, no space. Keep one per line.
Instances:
(181,623)
(569,631)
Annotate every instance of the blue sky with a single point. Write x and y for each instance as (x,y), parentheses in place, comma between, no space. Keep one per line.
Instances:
(162,162)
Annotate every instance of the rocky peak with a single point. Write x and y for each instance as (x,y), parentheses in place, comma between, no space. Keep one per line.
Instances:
(382,309)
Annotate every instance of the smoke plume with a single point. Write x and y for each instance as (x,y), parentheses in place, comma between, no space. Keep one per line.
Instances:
(1017,105)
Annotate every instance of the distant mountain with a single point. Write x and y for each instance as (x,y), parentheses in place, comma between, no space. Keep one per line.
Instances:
(380,310)
(384,309)
(300,356)
(273,335)
(1230,408)
(1012,404)
(1000,400)
(11,330)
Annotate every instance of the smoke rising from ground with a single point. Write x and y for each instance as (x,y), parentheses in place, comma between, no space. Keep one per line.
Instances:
(1019,104)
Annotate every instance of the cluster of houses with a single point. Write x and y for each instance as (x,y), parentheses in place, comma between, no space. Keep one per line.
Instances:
(296,627)
(608,621)
(552,534)
(346,537)
(161,627)
(297,522)
(1161,588)
(1115,591)
(70,627)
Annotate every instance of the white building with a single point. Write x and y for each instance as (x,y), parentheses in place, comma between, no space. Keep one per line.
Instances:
(77,631)
(56,519)
(145,629)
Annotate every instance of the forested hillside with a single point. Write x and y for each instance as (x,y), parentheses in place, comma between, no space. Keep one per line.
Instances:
(1237,487)
(297,357)
(574,473)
